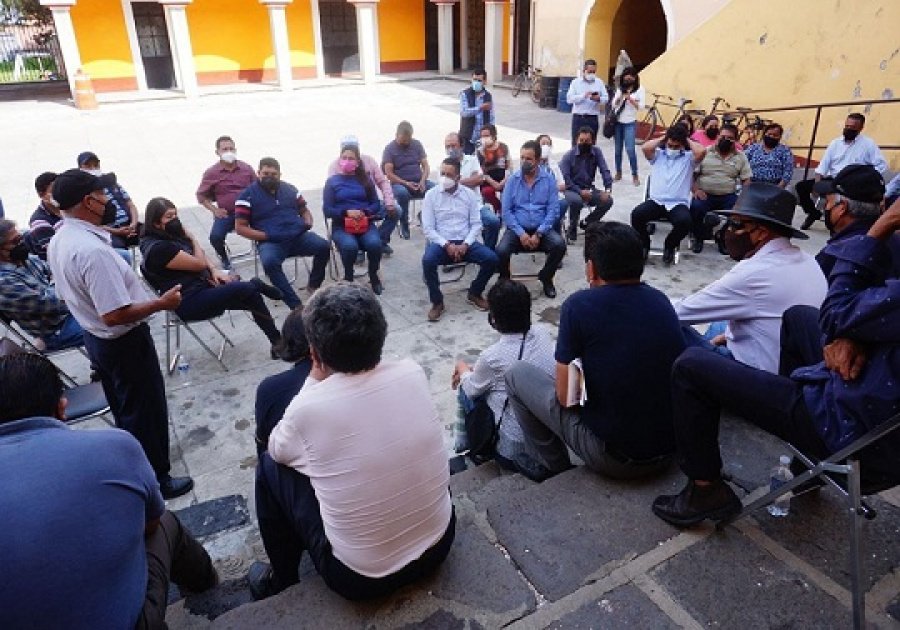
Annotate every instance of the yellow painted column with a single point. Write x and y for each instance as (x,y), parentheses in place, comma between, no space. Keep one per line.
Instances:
(493,39)
(181,44)
(68,44)
(280,44)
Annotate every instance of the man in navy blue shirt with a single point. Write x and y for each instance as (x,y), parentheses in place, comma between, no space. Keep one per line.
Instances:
(579,168)
(274,214)
(86,541)
(627,336)
(530,210)
(820,409)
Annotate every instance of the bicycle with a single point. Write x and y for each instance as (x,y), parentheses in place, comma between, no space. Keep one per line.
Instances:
(529,78)
(654,117)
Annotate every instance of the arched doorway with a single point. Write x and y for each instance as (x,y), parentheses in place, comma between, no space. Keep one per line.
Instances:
(636,26)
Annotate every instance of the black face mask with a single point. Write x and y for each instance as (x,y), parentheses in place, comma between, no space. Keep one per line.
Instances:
(109,213)
(269,183)
(19,253)
(737,245)
(770,142)
(712,133)
(584,148)
(724,145)
(850,134)
(174,228)
(627,83)
(528,167)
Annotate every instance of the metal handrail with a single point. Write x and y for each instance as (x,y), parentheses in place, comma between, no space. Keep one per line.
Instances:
(812,146)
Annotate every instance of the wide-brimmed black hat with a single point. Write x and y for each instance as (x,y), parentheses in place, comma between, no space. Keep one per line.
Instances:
(767,203)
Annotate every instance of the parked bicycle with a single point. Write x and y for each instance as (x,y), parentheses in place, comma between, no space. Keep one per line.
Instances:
(529,78)
(654,117)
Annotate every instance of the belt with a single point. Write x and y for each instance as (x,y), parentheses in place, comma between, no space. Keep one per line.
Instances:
(585,115)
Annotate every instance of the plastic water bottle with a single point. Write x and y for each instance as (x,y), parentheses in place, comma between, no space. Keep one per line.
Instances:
(183,367)
(781,474)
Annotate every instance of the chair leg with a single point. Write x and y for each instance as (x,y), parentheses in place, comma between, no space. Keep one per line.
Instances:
(856,546)
(170,359)
(210,351)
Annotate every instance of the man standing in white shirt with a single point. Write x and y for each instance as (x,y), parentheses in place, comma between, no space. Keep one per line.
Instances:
(356,473)
(587,95)
(451,220)
(850,148)
(771,276)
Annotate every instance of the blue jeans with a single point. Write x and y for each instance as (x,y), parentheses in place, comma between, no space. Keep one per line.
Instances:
(220,229)
(403,195)
(477,253)
(699,208)
(490,224)
(272,255)
(693,339)
(625,137)
(388,224)
(349,244)
(69,335)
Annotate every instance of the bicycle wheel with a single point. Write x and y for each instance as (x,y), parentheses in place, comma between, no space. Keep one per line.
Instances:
(536,89)
(518,84)
(646,127)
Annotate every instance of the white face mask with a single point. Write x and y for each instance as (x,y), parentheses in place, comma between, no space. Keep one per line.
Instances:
(589,77)
(228,156)
(96,172)
(673,153)
(546,150)
(447,183)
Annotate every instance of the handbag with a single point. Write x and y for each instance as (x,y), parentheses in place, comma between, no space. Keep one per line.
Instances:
(482,429)
(356,225)
(612,119)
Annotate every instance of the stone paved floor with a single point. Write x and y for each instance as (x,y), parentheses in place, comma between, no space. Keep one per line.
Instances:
(575,552)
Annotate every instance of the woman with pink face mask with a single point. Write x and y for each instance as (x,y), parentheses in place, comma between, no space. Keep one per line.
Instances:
(352,204)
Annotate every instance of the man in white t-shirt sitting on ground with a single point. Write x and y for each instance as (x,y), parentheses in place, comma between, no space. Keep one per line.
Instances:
(385,519)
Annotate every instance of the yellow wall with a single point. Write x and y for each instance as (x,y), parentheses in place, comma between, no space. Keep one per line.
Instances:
(230,35)
(102,39)
(401,30)
(598,34)
(506,37)
(301,34)
(792,53)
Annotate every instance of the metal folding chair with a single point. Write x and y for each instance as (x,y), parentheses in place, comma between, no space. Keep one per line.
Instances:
(333,271)
(850,490)
(22,339)
(84,402)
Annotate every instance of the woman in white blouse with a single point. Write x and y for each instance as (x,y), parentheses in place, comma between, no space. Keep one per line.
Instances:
(629,98)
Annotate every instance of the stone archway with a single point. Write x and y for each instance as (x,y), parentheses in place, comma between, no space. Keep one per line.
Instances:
(641,27)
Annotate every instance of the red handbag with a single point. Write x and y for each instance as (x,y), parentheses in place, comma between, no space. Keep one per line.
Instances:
(356,225)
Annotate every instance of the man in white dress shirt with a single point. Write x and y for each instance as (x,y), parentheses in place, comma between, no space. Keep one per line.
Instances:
(851,147)
(451,220)
(587,95)
(771,276)
(472,176)
(356,472)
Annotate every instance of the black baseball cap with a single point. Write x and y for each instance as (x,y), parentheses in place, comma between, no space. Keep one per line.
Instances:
(87,156)
(860,182)
(73,186)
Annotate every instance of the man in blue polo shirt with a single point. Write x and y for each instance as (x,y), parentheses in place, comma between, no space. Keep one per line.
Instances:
(274,214)
(85,539)
(530,210)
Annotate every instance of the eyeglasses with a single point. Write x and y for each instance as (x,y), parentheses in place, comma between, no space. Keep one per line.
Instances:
(736,224)
(822,201)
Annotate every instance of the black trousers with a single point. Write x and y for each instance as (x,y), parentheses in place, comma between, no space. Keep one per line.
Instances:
(290,523)
(679,217)
(233,296)
(552,243)
(803,189)
(129,371)
(704,383)
(801,339)
(172,555)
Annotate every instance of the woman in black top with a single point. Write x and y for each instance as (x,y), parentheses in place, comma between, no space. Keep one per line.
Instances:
(173,256)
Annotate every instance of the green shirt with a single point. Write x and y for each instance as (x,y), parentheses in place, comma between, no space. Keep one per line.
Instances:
(720,176)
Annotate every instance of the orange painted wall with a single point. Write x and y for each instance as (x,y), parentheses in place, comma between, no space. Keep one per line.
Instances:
(301,35)
(401,30)
(230,37)
(103,41)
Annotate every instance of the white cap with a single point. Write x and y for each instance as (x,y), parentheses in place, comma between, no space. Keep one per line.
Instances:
(349,141)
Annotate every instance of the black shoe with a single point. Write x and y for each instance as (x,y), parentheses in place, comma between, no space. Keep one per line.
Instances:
(386,250)
(668,256)
(172,487)
(268,290)
(811,218)
(697,503)
(274,352)
(377,287)
(262,581)
(404,232)
(549,289)
(696,244)
(572,234)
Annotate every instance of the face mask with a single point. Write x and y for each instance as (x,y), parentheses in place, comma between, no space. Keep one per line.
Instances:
(584,148)
(19,253)
(447,183)
(724,145)
(228,157)
(528,167)
(737,245)
(627,83)
(712,132)
(477,86)
(487,143)
(826,217)
(673,153)
(770,142)
(589,77)
(850,134)
(174,228)
(96,172)
(454,153)
(347,165)
(109,214)
(269,183)
(546,151)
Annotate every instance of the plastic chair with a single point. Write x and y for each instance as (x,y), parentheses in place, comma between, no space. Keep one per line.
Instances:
(850,490)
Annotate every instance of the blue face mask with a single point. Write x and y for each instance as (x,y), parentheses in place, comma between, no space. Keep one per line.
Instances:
(477,85)
(674,153)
